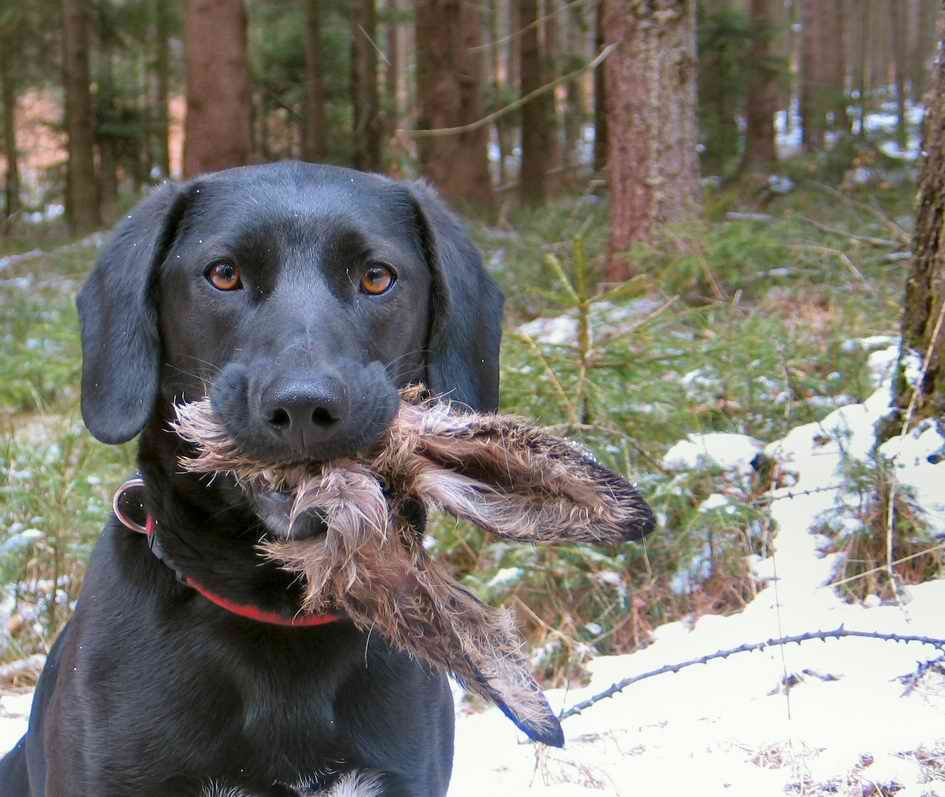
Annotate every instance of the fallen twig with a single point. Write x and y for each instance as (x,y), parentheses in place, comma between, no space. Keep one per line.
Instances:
(885,243)
(837,633)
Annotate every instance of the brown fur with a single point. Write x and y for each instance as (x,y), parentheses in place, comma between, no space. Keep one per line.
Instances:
(495,471)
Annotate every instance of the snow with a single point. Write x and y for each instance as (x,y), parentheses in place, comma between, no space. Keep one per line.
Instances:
(844,723)
(726,450)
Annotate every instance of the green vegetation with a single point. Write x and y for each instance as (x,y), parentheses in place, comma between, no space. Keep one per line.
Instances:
(736,326)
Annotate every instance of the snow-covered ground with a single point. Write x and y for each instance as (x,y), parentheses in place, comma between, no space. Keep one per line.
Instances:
(732,727)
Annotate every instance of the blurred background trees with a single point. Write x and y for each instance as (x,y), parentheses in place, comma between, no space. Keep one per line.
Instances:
(100,97)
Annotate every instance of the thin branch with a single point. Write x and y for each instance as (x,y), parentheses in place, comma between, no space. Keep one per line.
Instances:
(900,234)
(843,257)
(512,106)
(533,24)
(885,243)
(837,633)
(870,572)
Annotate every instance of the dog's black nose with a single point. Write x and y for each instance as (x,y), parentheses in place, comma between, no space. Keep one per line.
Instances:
(304,412)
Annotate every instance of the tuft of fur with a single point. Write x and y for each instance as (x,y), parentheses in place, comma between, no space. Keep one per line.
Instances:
(498,472)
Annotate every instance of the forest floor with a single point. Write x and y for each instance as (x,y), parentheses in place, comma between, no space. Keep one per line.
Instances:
(775,320)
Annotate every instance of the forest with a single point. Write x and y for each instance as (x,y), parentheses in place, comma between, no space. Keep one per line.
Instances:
(717,226)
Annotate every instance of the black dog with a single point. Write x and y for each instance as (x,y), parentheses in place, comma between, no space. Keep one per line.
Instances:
(301,298)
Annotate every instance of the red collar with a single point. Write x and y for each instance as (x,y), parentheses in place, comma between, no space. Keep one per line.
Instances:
(242,609)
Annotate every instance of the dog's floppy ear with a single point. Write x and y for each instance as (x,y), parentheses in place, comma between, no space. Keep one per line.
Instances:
(466,328)
(121,349)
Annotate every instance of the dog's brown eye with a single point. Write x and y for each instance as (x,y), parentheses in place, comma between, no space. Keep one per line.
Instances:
(377,279)
(224,276)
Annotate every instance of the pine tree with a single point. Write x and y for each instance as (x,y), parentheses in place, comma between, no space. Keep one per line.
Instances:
(653,165)
(217,134)
(82,193)
(449,94)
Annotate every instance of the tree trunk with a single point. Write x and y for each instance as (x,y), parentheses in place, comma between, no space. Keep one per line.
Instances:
(449,81)
(834,46)
(502,124)
(536,115)
(8,80)
(82,200)
(217,134)
(574,102)
(812,104)
(163,64)
(600,96)
(551,58)
(922,49)
(762,102)
(106,118)
(864,86)
(922,327)
(368,125)
(392,70)
(651,106)
(898,21)
(313,127)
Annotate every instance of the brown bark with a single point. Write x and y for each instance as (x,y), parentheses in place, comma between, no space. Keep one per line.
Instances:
(8,87)
(812,105)
(449,84)
(368,124)
(574,103)
(163,68)
(537,140)
(864,84)
(551,57)
(392,68)
(922,49)
(313,127)
(925,288)
(653,164)
(107,116)
(834,45)
(82,200)
(600,96)
(898,22)
(762,102)
(217,130)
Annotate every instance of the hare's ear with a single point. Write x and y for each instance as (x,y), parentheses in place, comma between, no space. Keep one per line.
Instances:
(515,480)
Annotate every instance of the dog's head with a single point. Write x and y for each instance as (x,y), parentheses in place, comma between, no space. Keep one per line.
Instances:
(299,297)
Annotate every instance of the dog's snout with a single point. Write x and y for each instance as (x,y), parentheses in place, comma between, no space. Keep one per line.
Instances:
(305,411)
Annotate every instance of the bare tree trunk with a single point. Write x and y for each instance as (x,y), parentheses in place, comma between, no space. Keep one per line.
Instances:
(834,46)
(502,124)
(900,60)
(8,87)
(449,81)
(600,96)
(536,115)
(217,134)
(368,125)
(864,86)
(551,57)
(106,117)
(574,104)
(922,327)
(923,49)
(392,71)
(653,164)
(760,154)
(163,47)
(82,201)
(812,105)
(313,127)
